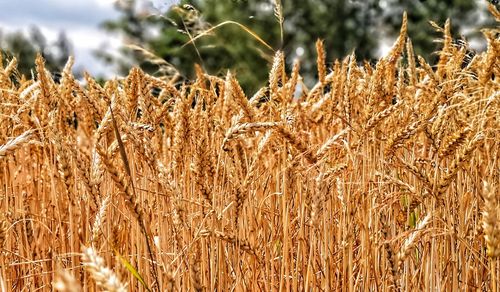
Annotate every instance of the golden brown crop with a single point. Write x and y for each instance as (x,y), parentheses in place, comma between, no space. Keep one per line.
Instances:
(200,187)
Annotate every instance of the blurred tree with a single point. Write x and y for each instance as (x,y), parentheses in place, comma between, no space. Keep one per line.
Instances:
(230,47)
(464,16)
(345,25)
(133,25)
(25,47)
(63,49)
(16,44)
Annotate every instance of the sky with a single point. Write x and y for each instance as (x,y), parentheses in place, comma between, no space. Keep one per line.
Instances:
(79,19)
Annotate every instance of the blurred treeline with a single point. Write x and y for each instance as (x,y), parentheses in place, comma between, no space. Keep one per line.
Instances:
(25,47)
(362,26)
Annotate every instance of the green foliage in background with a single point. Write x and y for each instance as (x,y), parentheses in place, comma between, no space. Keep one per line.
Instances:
(464,15)
(26,47)
(345,25)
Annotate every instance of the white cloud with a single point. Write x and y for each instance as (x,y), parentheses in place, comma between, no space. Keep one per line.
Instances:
(79,19)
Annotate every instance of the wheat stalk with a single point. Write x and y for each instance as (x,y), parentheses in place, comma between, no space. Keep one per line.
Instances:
(16,143)
(104,277)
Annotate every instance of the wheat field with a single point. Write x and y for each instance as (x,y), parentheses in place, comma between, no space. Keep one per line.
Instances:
(380,177)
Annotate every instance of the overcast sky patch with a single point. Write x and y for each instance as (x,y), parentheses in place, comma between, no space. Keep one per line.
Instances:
(79,19)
